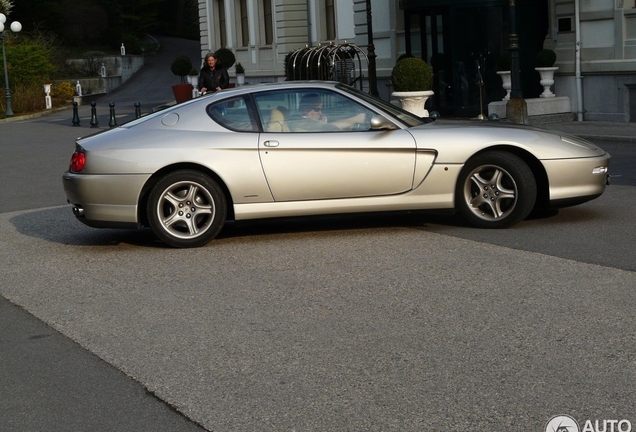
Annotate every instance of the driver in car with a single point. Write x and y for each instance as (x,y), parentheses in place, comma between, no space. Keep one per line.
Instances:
(314,120)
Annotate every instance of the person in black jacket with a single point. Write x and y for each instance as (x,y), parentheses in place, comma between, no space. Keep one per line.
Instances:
(213,76)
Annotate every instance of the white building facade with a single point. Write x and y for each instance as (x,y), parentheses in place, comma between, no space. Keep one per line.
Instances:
(599,77)
(595,42)
(262,32)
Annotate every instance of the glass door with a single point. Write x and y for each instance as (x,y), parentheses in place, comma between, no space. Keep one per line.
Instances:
(478,40)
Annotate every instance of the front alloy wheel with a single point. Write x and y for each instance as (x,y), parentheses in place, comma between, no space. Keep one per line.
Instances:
(496,190)
(186,209)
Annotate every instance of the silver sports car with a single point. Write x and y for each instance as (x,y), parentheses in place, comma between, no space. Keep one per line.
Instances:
(311,148)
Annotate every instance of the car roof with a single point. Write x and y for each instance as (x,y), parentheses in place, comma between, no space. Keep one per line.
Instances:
(278,85)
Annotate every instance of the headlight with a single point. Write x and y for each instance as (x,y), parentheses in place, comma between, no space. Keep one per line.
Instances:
(600,170)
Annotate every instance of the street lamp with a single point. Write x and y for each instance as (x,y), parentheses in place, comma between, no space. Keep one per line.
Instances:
(373,81)
(15,28)
(516,107)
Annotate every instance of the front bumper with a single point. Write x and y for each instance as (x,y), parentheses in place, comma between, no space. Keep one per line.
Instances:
(573,180)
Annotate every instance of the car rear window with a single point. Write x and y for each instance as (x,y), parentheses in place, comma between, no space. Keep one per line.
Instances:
(233,114)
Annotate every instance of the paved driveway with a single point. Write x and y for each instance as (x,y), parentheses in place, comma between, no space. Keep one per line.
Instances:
(378,322)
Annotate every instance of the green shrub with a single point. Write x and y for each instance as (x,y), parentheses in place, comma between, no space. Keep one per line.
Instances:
(411,74)
(181,66)
(62,91)
(226,57)
(546,58)
(22,55)
(25,98)
(132,44)
(403,56)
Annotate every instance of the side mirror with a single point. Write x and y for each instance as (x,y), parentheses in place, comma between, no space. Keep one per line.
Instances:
(381,123)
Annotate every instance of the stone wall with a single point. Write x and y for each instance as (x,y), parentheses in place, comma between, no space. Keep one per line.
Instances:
(118,70)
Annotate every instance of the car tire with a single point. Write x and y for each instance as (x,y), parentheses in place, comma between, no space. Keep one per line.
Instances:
(186,209)
(496,190)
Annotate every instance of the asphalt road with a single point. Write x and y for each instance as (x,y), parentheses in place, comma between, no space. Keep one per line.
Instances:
(48,381)
(406,322)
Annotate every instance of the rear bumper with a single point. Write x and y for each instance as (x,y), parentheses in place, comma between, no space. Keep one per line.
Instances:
(105,201)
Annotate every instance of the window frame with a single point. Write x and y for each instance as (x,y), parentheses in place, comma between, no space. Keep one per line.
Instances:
(222,27)
(243,21)
(268,22)
(330,19)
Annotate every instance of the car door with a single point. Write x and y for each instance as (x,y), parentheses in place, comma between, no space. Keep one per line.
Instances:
(333,163)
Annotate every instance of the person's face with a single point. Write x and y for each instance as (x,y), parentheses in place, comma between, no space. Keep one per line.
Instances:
(211,62)
(315,113)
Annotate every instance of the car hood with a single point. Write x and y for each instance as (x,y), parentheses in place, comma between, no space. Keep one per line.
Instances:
(456,140)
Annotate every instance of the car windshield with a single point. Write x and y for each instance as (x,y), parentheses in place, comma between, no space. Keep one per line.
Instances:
(397,112)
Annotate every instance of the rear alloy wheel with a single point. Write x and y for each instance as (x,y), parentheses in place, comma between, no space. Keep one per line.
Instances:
(496,190)
(186,209)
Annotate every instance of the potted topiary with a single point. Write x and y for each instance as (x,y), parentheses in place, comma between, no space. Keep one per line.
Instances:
(545,66)
(240,74)
(181,66)
(503,70)
(412,81)
(193,78)
(226,57)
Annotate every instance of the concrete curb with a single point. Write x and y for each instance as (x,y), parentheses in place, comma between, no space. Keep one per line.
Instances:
(34,115)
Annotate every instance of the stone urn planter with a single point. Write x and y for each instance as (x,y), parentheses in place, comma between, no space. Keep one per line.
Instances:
(412,80)
(506,83)
(240,74)
(547,80)
(194,80)
(414,101)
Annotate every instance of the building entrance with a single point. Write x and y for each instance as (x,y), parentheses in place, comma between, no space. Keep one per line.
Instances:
(464,42)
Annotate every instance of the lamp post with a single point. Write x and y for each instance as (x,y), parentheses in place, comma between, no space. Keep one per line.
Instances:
(373,81)
(15,28)
(516,107)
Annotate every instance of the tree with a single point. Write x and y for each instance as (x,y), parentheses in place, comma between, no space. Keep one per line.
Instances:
(90,23)
(5,6)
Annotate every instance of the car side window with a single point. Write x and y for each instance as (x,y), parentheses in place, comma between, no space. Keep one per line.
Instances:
(234,114)
(310,110)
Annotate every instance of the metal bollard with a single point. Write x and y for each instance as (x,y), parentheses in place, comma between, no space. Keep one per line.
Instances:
(76,119)
(137,110)
(94,121)
(113,121)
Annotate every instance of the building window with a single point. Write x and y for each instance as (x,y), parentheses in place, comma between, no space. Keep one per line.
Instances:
(222,24)
(330,21)
(245,34)
(268,22)
(565,24)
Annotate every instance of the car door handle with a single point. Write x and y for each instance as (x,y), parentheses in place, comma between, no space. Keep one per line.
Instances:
(270,143)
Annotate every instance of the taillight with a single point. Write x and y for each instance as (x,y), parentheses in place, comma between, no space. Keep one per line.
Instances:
(77,161)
